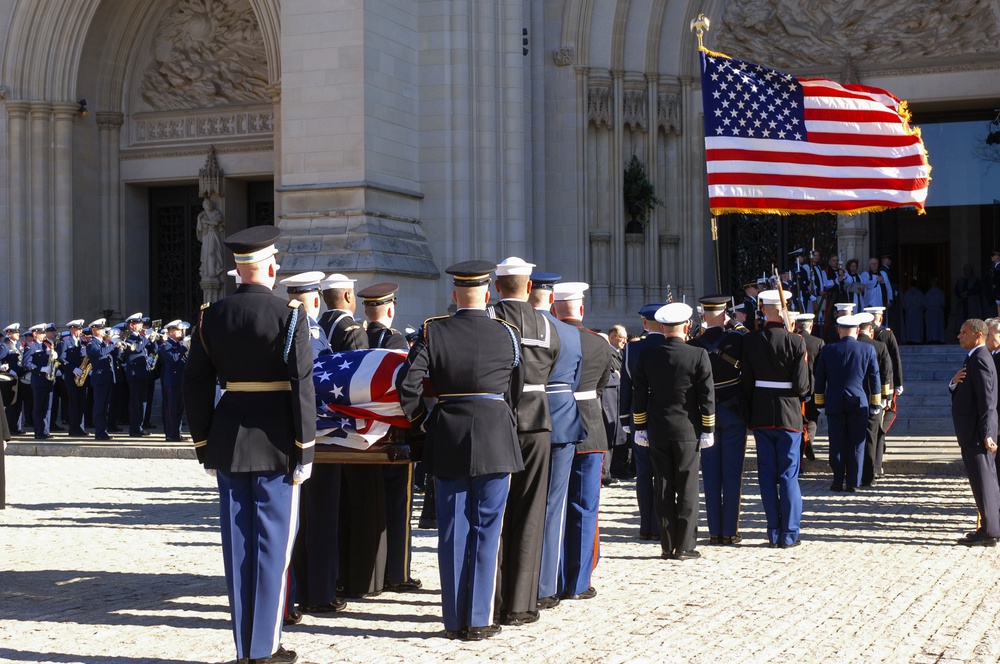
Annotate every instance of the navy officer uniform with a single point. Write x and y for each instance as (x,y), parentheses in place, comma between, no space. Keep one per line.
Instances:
(675,412)
(847,388)
(36,360)
(72,350)
(14,361)
(260,437)
(524,520)
(722,463)
(649,527)
(172,354)
(567,429)
(472,444)
(884,334)
(584,493)
(379,301)
(774,374)
(872,458)
(135,357)
(101,353)
(5,436)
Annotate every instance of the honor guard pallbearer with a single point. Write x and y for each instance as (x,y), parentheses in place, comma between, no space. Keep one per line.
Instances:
(814,346)
(884,334)
(775,379)
(872,458)
(472,443)
(172,354)
(260,437)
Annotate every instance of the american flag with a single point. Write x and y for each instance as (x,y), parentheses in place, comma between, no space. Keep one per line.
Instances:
(356,396)
(775,143)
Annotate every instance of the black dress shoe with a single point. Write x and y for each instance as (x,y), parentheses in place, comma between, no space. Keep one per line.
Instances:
(427,524)
(851,489)
(56,428)
(981,540)
(809,453)
(20,432)
(455,634)
(646,537)
(333,607)
(836,487)
(405,587)
(686,555)
(483,633)
(103,438)
(715,539)
(770,545)
(144,434)
(293,618)
(365,595)
(735,539)
(610,481)
(282,656)
(80,433)
(115,429)
(547,602)
(792,545)
(513,619)
(589,593)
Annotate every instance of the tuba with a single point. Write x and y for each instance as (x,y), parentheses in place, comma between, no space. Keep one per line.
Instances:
(85,367)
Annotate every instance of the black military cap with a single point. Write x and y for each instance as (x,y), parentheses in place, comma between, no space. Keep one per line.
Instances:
(544,280)
(750,284)
(714,302)
(253,244)
(471,273)
(377,294)
(649,311)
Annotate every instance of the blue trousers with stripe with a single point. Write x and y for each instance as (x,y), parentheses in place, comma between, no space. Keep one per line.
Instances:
(470,517)
(581,522)
(258,519)
(778,460)
(560,466)
(722,473)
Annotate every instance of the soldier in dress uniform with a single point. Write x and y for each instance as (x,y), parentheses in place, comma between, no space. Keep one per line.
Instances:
(37,356)
(134,356)
(848,389)
(649,527)
(814,345)
(379,301)
(871,457)
(258,440)
(120,410)
(72,350)
(57,405)
(101,353)
(751,290)
(524,520)
(675,413)
(153,338)
(722,463)
(306,288)
(5,435)
(584,495)
(886,336)
(832,333)
(567,429)
(799,280)
(472,444)
(172,354)
(14,360)
(775,379)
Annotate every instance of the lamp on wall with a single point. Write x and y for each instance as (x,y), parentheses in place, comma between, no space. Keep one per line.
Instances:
(83,107)
(993,137)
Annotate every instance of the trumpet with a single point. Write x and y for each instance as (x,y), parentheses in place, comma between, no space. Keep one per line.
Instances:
(85,369)
(52,366)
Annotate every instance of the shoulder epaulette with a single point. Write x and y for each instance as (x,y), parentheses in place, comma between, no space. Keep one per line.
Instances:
(206,306)
(434,318)
(508,324)
(294,304)
(351,328)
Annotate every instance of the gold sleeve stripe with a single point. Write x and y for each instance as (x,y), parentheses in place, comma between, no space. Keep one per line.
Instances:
(640,418)
(820,399)
(201,443)
(876,400)
(886,390)
(305,446)
(708,420)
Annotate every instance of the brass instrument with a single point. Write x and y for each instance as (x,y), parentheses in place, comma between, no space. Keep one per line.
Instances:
(85,368)
(53,365)
(153,338)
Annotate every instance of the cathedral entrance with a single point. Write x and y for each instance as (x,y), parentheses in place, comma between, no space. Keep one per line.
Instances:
(174,253)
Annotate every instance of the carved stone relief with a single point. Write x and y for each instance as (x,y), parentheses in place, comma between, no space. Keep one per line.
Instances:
(249,123)
(795,33)
(206,53)
(668,112)
(634,109)
(564,56)
(599,97)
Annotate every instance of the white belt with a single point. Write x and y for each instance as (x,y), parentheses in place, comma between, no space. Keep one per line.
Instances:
(774,384)
(584,396)
(532,387)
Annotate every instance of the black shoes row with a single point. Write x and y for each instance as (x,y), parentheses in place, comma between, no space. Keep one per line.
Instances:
(282,656)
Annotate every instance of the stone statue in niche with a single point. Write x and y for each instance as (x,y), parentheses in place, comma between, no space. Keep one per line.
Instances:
(206,53)
(797,33)
(209,230)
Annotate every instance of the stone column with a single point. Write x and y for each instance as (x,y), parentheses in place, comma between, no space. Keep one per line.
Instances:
(274,92)
(18,268)
(42,237)
(851,243)
(109,126)
(635,267)
(64,114)
(600,260)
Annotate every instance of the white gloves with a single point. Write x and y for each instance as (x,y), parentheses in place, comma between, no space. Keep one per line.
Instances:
(899,390)
(875,410)
(627,429)
(302,473)
(210,472)
(641,438)
(706,440)
(77,372)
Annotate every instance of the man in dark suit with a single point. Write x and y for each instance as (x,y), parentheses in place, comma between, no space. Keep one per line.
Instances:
(675,412)
(974,412)
(775,379)
(649,527)
(260,437)
(472,444)
(873,460)
(848,388)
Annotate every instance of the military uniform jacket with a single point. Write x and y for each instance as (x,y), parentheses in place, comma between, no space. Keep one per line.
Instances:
(724,348)
(814,346)
(539,348)
(564,380)
(610,399)
(630,361)
(71,353)
(470,432)
(847,378)
(37,361)
(974,400)
(134,356)
(102,359)
(886,336)
(173,357)
(342,331)
(380,336)
(750,309)
(775,377)
(884,365)
(674,391)
(13,359)
(596,370)
(241,339)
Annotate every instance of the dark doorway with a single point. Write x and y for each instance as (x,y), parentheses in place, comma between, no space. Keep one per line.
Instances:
(260,203)
(174,253)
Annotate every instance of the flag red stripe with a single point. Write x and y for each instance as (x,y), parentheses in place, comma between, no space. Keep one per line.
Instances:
(735,154)
(791,204)
(881,141)
(838,115)
(908,184)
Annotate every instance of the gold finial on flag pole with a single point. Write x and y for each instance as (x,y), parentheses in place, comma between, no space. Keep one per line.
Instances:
(700,26)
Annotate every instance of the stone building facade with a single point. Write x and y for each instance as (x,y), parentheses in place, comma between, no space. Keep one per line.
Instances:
(390,138)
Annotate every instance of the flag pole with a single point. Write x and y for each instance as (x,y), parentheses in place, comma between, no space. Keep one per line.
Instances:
(715,244)
(700,26)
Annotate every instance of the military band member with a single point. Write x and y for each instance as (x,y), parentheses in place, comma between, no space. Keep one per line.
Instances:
(153,338)
(5,435)
(584,495)
(472,444)
(134,356)
(848,389)
(172,354)
(120,410)
(675,413)
(524,521)
(814,345)
(649,526)
(872,459)
(774,374)
(567,429)
(260,437)
(14,361)
(38,355)
(72,350)
(101,353)
(722,463)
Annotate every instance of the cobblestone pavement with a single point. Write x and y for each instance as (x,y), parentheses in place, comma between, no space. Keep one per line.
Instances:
(117,560)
